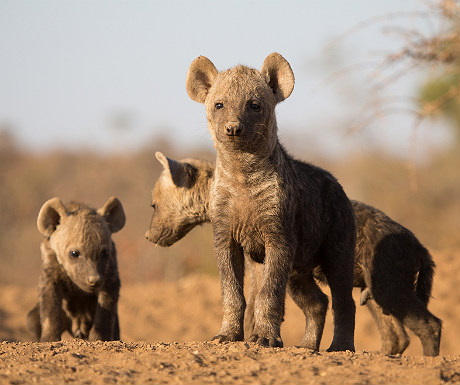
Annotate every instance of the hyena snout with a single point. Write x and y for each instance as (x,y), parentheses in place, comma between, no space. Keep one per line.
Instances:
(151,236)
(94,280)
(233,129)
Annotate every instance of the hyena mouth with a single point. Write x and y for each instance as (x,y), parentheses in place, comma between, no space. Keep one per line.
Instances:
(163,239)
(244,142)
(169,237)
(222,138)
(85,288)
(91,289)
(164,242)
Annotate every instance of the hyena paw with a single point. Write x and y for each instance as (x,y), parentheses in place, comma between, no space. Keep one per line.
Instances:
(79,334)
(232,337)
(273,341)
(341,347)
(50,338)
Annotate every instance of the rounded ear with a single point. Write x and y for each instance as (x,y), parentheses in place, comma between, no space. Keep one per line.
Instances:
(50,216)
(278,75)
(113,214)
(182,174)
(163,159)
(200,77)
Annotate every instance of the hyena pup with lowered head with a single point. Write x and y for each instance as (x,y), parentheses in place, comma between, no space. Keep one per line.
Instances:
(79,284)
(389,260)
(289,215)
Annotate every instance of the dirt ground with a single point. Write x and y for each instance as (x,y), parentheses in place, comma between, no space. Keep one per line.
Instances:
(81,362)
(165,326)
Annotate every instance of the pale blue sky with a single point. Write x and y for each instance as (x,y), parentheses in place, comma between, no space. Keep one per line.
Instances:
(67,68)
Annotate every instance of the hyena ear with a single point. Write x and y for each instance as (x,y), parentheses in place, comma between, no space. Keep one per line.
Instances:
(182,174)
(278,75)
(200,77)
(113,214)
(50,216)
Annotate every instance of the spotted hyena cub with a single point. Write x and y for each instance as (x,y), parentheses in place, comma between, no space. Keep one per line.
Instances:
(289,215)
(392,268)
(79,283)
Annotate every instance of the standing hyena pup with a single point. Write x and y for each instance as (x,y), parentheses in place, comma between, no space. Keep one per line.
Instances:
(389,260)
(79,283)
(289,215)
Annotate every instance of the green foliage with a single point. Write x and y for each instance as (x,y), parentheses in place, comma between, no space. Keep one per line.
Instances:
(442,91)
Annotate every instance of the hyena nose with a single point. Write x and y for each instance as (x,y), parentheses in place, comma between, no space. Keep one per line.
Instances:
(234,130)
(148,236)
(93,280)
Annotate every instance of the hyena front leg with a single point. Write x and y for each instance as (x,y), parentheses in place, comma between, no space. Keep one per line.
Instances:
(50,302)
(105,318)
(230,261)
(269,303)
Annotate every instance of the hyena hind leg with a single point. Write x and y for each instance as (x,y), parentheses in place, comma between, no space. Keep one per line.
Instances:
(313,303)
(394,338)
(414,315)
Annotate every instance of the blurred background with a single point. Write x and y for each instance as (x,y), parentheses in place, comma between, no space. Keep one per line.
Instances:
(89,90)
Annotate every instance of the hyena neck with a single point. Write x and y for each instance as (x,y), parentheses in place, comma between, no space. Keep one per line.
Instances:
(204,202)
(247,167)
(202,189)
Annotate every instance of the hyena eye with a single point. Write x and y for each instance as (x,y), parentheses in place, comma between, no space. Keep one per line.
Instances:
(219,106)
(255,107)
(74,253)
(154,206)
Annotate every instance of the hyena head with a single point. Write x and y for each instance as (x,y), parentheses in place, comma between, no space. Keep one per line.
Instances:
(179,199)
(240,102)
(81,238)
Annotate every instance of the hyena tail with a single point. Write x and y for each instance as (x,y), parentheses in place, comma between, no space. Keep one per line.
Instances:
(425,276)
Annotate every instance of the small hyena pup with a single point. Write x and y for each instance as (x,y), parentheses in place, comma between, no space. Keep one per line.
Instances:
(392,268)
(79,284)
(265,205)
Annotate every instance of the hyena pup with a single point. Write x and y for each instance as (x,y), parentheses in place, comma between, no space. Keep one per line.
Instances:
(289,215)
(79,283)
(180,199)
(392,268)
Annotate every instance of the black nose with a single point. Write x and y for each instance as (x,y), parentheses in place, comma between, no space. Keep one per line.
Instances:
(234,130)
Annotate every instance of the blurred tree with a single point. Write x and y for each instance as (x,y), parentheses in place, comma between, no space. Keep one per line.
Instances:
(432,46)
(440,94)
